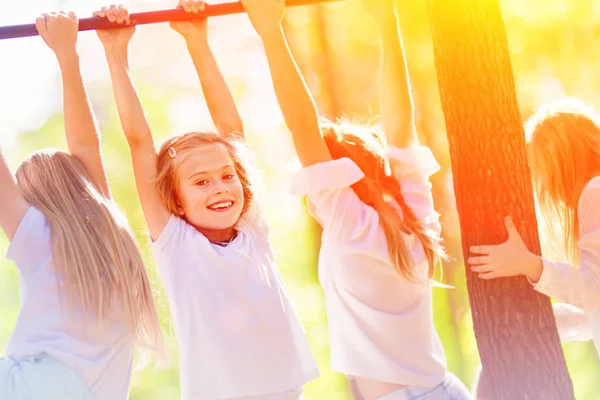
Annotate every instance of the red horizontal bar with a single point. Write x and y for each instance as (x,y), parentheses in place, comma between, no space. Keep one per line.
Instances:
(150,17)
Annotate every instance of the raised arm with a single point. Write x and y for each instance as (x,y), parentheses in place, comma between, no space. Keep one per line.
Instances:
(12,204)
(59,31)
(396,105)
(218,97)
(294,99)
(133,121)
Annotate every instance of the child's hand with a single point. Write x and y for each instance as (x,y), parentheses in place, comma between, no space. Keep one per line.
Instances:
(191,30)
(382,11)
(265,15)
(118,38)
(511,258)
(59,31)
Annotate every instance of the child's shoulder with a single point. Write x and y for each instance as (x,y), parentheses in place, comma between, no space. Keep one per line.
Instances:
(590,197)
(594,182)
(592,189)
(411,160)
(176,235)
(31,244)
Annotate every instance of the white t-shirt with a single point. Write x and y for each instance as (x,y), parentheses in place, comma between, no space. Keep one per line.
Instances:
(380,324)
(580,287)
(239,336)
(103,362)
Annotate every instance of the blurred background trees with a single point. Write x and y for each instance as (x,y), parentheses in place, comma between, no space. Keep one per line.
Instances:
(553,46)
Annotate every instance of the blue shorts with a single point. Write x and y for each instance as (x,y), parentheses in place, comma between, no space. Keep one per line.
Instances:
(40,378)
(450,389)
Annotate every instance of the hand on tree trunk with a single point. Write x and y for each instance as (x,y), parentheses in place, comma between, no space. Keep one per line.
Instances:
(511,258)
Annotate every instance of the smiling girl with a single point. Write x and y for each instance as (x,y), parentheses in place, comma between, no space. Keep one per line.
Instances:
(239,336)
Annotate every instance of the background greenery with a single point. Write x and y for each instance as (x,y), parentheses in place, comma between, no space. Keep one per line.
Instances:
(554,53)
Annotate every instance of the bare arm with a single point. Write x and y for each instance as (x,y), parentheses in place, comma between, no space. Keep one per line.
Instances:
(218,97)
(83,136)
(139,136)
(59,31)
(294,99)
(135,126)
(12,204)
(396,104)
(217,94)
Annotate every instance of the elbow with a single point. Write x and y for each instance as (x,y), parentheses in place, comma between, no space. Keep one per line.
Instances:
(401,134)
(91,143)
(134,138)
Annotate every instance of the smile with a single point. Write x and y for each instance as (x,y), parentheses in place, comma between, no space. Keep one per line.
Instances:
(221,206)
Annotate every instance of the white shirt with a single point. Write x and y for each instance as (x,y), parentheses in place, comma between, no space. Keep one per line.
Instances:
(572,323)
(239,336)
(103,362)
(580,287)
(380,324)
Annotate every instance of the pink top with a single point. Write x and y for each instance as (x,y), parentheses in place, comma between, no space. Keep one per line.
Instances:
(380,324)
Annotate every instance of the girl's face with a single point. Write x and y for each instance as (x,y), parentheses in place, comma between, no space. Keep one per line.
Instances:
(210,194)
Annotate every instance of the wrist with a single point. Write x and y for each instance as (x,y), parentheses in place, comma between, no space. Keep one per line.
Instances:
(67,55)
(197,42)
(273,33)
(275,40)
(116,53)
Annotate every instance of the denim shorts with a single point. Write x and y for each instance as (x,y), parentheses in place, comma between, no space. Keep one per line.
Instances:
(451,388)
(40,378)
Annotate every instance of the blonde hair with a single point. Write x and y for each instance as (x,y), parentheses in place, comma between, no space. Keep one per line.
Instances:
(366,148)
(564,154)
(93,249)
(175,148)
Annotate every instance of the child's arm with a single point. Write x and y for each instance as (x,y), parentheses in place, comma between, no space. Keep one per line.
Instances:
(572,323)
(396,105)
(218,97)
(135,127)
(12,204)
(294,98)
(59,31)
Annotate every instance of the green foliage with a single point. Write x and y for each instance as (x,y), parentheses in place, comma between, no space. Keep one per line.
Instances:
(545,38)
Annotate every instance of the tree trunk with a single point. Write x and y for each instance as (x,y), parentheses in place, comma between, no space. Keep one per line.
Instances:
(514,325)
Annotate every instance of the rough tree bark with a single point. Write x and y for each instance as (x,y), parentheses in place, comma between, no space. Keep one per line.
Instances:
(514,325)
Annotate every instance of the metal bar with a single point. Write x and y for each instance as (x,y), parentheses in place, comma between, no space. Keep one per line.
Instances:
(150,17)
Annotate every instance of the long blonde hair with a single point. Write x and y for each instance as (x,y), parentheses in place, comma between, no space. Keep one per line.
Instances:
(94,252)
(366,148)
(564,154)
